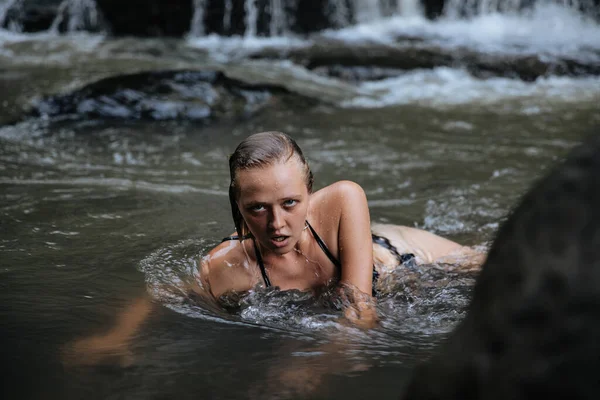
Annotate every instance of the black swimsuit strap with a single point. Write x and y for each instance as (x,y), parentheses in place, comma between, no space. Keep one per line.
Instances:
(323,246)
(261,265)
(259,259)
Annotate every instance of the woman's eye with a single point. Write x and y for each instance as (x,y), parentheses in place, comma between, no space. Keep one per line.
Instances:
(290,203)
(257,207)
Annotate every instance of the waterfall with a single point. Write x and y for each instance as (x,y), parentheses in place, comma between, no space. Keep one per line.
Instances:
(410,8)
(340,14)
(197,28)
(278,19)
(227,15)
(81,14)
(366,10)
(341,11)
(5,7)
(471,8)
(251,17)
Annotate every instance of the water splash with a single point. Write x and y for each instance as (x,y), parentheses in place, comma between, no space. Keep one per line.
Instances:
(433,300)
(81,15)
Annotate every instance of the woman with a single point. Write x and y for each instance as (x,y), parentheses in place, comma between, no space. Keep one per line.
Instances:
(293,238)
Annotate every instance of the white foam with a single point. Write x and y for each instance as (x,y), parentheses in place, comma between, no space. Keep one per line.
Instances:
(446,86)
(225,48)
(547,28)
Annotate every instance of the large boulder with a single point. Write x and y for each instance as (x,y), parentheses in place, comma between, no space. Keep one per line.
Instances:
(372,61)
(147,17)
(533,324)
(168,95)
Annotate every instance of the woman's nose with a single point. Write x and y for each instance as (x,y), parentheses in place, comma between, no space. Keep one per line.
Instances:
(276,221)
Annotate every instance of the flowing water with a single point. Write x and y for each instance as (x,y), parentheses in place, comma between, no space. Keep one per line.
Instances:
(97,213)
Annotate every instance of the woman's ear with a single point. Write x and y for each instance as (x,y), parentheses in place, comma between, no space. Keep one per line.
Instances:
(245,231)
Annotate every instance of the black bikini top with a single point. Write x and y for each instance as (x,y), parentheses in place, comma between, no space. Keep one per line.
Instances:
(261,264)
(407,259)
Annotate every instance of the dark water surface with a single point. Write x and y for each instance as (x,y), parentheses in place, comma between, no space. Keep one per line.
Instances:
(90,212)
(95,214)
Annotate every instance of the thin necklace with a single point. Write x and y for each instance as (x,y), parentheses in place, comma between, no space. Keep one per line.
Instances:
(308,260)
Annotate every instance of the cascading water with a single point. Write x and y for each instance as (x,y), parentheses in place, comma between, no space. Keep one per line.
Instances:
(339,13)
(81,15)
(227,15)
(5,7)
(345,13)
(409,8)
(278,18)
(471,8)
(251,17)
(197,26)
(367,10)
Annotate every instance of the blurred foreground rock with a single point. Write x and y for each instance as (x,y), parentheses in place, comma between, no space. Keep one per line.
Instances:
(533,324)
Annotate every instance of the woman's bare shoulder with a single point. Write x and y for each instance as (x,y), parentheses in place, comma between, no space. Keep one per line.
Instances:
(226,268)
(339,188)
(328,203)
(332,199)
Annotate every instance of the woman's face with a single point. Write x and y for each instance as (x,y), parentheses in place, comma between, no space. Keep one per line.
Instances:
(273,201)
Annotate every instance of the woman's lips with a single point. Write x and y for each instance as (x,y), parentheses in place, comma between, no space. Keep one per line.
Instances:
(279,241)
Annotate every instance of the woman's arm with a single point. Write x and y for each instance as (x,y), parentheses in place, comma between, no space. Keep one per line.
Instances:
(114,343)
(356,255)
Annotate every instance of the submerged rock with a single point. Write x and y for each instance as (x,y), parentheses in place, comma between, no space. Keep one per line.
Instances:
(167,95)
(533,324)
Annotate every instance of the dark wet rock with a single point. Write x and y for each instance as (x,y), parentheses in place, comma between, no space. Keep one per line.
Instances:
(372,61)
(147,17)
(168,95)
(533,324)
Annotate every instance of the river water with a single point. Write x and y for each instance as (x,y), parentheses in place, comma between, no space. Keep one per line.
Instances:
(97,213)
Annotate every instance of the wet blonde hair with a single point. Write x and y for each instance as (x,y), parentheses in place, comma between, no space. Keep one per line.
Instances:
(257,151)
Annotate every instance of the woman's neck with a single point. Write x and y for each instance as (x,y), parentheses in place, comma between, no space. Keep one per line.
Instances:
(299,249)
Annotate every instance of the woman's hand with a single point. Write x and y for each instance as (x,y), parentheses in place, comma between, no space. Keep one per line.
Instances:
(362,315)
(112,345)
(359,308)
